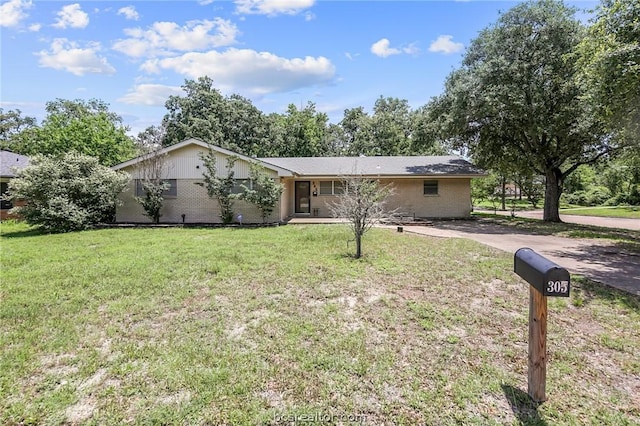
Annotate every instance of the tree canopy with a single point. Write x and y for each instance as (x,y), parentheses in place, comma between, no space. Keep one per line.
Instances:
(610,60)
(231,122)
(87,127)
(516,100)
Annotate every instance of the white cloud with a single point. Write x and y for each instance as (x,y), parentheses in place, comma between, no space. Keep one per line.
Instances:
(256,72)
(129,12)
(35,27)
(445,44)
(13,11)
(383,48)
(272,7)
(68,56)
(162,38)
(411,49)
(72,16)
(150,94)
(308,16)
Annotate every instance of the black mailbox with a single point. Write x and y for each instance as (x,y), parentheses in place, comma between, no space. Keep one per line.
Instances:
(547,277)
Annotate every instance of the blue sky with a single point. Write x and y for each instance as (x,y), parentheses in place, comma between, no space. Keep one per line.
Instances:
(134,54)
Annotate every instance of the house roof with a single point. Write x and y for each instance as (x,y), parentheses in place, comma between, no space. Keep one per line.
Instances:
(400,166)
(9,161)
(397,166)
(198,142)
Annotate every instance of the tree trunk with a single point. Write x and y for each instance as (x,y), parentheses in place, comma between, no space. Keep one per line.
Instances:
(553,189)
(358,246)
(503,195)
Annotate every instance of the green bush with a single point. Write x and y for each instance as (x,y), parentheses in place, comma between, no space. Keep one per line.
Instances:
(66,193)
(595,196)
(632,198)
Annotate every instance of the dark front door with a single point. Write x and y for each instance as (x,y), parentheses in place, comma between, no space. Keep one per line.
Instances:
(303,200)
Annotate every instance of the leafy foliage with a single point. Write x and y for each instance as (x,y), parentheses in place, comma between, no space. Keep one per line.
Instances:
(516,101)
(203,112)
(87,127)
(220,187)
(300,132)
(393,129)
(153,171)
(153,198)
(264,192)
(610,63)
(362,202)
(66,193)
(14,128)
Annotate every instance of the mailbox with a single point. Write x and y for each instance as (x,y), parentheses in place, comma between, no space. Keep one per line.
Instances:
(547,277)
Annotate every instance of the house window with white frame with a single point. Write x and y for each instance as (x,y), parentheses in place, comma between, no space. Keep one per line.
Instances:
(430,187)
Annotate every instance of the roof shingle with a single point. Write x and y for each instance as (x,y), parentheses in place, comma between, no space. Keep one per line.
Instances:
(9,160)
(377,166)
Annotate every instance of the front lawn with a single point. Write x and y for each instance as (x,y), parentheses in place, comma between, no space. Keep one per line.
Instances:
(257,326)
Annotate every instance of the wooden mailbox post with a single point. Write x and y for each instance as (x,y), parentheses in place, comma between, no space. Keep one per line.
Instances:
(545,279)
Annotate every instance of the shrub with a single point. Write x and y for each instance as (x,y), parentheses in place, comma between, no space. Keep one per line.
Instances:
(595,196)
(66,193)
(264,192)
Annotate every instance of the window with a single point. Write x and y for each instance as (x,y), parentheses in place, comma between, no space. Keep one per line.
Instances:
(331,187)
(237,185)
(430,187)
(172,191)
(338,187)
(326,187)
(4,186)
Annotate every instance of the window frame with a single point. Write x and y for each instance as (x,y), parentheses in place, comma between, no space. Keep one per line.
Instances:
(430,187)
(337,188)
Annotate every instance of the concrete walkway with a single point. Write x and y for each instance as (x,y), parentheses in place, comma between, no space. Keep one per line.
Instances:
(598,260)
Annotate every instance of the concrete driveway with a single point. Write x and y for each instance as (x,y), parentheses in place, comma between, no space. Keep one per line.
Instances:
(598,260)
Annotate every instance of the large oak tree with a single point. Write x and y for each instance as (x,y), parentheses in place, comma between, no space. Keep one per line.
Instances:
(517,100)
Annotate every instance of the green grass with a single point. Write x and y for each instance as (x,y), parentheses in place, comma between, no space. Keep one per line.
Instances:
(631,212)
(509,204)
(253,326)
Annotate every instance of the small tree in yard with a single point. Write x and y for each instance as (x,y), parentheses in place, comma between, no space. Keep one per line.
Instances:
(153,172)
(362,202)
(220,188)
(66,193)
(264,192)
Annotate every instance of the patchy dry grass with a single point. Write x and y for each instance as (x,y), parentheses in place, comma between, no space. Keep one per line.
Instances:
(256,326)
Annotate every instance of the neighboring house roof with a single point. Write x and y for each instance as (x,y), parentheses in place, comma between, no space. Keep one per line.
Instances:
(198,142)
(10,161)
(378,166)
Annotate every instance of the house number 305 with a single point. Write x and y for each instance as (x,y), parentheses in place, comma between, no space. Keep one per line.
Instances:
(557,286)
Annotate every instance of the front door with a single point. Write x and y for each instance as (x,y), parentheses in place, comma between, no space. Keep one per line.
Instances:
(303,200)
